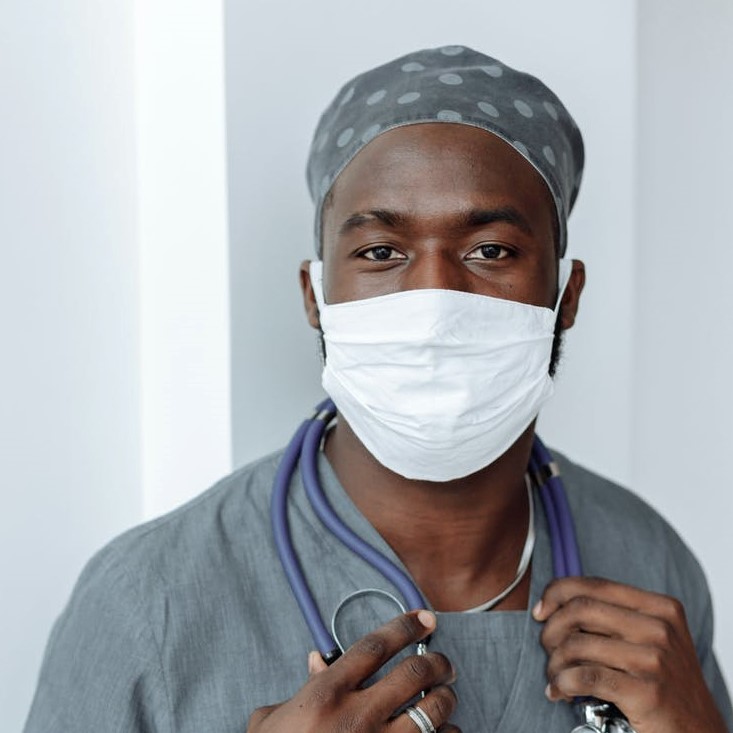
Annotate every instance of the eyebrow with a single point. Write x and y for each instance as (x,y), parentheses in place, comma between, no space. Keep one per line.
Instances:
(470,219)
(392,219)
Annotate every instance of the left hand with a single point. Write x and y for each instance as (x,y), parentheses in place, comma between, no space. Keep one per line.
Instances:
(629,647)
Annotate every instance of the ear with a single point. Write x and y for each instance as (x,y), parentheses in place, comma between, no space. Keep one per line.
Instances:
(309,298)
(571,296)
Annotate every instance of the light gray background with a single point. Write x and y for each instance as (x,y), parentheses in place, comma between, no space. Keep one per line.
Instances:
(644,395)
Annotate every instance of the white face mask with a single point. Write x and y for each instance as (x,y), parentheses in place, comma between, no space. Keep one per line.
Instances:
(437,384)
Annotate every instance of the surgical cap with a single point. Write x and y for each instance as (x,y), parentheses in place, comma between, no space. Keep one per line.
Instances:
(450,84)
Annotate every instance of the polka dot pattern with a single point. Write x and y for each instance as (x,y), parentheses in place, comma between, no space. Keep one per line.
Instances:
(370,133)
(523,108)
(488,109)
(449,115)
(344,137)
(451,84)
(376,97)
(551,110)
(408,98)
(492,70)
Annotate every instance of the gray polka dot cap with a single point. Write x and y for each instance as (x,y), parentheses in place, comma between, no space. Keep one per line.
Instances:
(450,84)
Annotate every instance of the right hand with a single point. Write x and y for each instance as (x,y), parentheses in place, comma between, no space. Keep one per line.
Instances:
(333,700)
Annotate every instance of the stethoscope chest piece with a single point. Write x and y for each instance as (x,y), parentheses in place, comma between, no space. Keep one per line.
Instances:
(601,717)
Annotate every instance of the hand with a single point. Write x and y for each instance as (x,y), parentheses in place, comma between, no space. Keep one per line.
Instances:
(629,647)
(333,700)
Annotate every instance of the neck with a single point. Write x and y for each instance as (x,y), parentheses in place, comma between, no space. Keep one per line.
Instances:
(460,540)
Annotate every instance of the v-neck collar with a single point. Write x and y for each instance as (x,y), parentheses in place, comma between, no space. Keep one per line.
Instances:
(529,676)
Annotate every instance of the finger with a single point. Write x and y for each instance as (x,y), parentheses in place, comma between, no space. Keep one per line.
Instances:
(561,591)
(438,705)
(584,613)
(408,679)
(315,663)
(259,715)
(594,681)
(587,649)
(372,651)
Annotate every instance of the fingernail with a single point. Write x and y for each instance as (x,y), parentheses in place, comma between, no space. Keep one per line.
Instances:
(537,610)
(311,662)
(548,694)
(427,619)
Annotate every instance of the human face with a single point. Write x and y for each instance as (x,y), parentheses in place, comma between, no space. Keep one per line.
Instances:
(439,205)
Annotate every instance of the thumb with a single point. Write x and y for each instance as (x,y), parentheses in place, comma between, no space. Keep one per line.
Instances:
(315,663)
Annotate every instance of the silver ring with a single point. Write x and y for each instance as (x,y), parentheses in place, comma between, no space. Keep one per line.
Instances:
(421,719)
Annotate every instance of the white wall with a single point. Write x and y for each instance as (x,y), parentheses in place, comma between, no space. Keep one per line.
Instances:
(69,434)
(683,340)
(184,249)
(113,292)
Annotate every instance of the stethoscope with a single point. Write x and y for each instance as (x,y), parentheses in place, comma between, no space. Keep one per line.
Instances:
(596,716)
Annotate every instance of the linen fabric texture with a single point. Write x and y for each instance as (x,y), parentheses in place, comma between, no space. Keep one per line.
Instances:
(452,84)
(187,623)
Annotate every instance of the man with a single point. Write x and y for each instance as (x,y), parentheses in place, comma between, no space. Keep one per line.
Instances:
(442,183)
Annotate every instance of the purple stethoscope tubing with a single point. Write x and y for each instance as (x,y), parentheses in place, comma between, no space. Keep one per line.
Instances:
(304,448)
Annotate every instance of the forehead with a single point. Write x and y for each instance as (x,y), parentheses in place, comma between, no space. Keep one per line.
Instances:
(434,169)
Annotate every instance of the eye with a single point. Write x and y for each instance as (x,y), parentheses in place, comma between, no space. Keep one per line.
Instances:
(381,253)
(488,251)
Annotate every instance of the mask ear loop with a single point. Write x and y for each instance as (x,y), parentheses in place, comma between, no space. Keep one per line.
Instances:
(321,347)
(564,270)
(316,274)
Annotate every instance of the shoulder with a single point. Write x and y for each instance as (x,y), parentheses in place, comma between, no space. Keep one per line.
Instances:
(623,538)
(155,607)
(192,542)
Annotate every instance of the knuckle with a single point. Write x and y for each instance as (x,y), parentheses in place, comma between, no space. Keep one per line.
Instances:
(419,668)
(655,661)
(551,635)
(676,609)
(322,697)
(590,677)
(442,704)
(444,666)
(372,646)
(581,604)
(554,586)
(662,633)
(575,644)
(405,626)
(595,582)
(566,653)
(257,716)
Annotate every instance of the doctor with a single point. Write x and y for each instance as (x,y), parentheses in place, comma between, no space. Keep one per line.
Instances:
(442,182)
(431,200)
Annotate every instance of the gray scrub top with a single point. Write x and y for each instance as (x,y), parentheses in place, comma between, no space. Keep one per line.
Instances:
(187,623)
